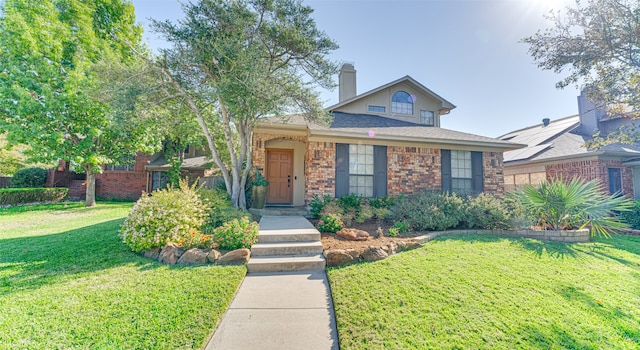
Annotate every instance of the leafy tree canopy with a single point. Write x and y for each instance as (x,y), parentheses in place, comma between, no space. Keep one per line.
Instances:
(597,43)
(49,91)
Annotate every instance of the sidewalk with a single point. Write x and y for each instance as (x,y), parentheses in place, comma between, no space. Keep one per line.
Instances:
(279,310)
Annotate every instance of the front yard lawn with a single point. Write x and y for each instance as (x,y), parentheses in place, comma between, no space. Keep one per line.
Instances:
(67,281)
(486,292)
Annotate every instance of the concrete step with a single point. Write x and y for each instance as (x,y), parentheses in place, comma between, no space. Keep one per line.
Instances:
(292,235)
(286,248)
(277,263)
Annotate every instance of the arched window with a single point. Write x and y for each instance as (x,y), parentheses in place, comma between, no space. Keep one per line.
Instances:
(402,103)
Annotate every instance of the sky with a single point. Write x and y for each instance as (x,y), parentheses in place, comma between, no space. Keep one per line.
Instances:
(466,51)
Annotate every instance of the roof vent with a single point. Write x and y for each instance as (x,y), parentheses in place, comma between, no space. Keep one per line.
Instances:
(546,121)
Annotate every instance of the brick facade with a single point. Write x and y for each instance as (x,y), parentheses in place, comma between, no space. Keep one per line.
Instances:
(410,169)
(320,169)
(413,169)
(596,169)
(116,184)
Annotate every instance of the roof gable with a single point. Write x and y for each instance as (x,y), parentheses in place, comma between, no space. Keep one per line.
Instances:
(446,105)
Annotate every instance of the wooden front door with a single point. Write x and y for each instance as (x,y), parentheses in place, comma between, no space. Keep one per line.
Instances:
(280,176)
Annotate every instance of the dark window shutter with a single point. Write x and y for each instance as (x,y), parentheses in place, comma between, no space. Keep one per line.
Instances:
(379,171)
(342,170)
(477,172)
(445,155)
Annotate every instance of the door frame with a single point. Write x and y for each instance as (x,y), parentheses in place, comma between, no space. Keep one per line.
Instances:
(291,171)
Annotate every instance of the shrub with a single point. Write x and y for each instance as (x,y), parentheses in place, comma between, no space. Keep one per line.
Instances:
(29,178)
(196,239)
(350,202)
(219,209)
(632,217)
(429,211)
(18,196)
(317,204)
(556,205)
(486,212)
(330,223)
(364,214)
(236,234)
(384,202)
(168,215)
(398,228)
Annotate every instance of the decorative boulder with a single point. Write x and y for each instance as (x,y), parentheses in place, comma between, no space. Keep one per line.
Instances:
(338,257)
(213,255)
(170,254)
(238,256)
(194,256)
(412,245)
(390,248)
(153,253)
(374,254)
(353,234)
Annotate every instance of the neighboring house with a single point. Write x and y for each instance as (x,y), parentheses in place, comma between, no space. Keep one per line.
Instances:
(386,141)
(128,181)
(557,149)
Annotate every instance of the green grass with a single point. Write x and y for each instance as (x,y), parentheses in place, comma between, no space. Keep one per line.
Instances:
(67,281)
(485,292)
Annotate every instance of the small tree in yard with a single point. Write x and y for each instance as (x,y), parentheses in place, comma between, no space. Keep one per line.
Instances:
(234,62)
(598,42)
(49,84)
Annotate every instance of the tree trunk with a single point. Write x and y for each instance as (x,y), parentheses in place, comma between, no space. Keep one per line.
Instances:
(90,197)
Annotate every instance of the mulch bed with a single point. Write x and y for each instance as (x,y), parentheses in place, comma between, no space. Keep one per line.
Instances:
(331,241)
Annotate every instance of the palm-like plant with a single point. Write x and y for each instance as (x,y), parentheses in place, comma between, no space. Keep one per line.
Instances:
(556,205)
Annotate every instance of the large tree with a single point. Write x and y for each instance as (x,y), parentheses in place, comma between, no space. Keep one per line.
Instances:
(233,62)
(49,82)
(598,43)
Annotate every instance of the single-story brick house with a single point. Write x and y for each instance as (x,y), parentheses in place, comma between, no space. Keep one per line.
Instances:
(387,141)
(557,149)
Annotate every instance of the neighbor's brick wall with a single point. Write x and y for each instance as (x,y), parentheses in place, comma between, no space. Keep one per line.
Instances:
(493,168)
(123,184)
(413,169)
(320,169)
(592,170)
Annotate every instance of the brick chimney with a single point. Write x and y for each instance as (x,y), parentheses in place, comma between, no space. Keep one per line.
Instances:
(347,81)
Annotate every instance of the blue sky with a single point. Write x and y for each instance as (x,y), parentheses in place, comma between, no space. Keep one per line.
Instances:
(467,51)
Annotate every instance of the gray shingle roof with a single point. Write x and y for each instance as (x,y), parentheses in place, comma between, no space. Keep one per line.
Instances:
(371,126)
(559,139)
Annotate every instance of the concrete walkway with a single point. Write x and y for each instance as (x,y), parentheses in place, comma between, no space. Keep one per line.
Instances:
(279,310)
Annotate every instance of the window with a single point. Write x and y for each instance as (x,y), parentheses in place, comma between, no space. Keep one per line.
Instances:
(361,170)
(427,117)
(462,171)
(128,166)
(159,180)
(615,180)
(371,108)
(402,103)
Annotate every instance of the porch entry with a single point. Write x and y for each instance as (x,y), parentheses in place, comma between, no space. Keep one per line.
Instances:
(279,173)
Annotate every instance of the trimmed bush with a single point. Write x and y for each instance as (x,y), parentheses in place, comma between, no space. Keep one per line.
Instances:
(430,211)
(330,223)
(487,213)
(317,204)
(18,196)
(632,217)
(29,178)
(168,215)
(236,234)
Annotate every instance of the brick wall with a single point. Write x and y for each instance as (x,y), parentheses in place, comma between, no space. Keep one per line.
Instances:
(259,141)
(588,170)
(115,184)
(320,169)
(493,173)
(413,169)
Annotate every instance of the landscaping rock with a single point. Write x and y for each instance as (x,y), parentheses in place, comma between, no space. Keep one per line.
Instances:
(390,248)
(194,256)
(353,234)
(170,254)
(213,255)
(238,256)
(355,253)
(338,257)
(153,253)
(408,245)
(374,254)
